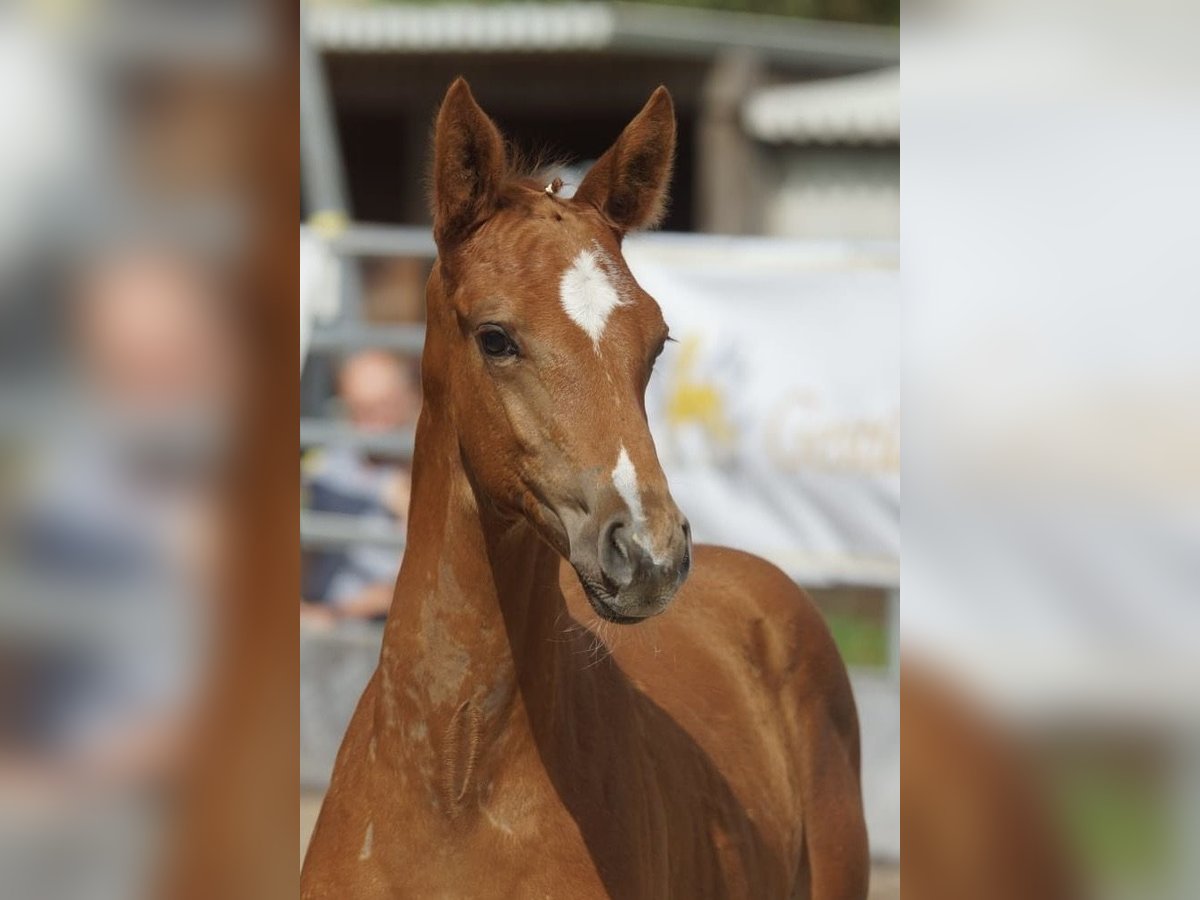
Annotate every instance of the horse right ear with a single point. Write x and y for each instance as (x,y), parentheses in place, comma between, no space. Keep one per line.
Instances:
(629,182)
(468,166)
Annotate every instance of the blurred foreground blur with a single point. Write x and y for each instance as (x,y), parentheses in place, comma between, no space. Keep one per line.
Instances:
(1050,449)
(126,209)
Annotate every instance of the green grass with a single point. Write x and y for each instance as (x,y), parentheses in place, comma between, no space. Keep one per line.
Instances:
(863,642)
(1119,825)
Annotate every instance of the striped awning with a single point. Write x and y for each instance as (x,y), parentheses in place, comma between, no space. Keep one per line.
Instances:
(852,109)
(592,26)
(516,26)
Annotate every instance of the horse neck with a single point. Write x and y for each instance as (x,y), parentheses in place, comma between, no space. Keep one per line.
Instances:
(472,643)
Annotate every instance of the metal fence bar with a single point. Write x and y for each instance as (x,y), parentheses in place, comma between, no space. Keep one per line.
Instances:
(384,240)
(334,531)
(320,156)
(407,340)
(325,433)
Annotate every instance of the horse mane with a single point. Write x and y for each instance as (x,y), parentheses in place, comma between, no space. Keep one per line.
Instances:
(533,170)
(526,174)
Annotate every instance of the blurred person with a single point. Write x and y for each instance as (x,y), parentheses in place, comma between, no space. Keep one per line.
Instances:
(396,290)
(380,394)
(152,339)
(115,526)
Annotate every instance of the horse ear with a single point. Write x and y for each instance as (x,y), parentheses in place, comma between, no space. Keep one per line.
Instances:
(468,165)
(629,182)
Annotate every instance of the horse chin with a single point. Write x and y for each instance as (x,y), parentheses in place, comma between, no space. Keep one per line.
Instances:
(603,603)
(608,614)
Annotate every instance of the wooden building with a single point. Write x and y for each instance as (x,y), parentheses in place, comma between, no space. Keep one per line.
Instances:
(562,79)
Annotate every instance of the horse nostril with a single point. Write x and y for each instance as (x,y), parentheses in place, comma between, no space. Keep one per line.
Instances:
(616,534)
(685,561)
(615,557)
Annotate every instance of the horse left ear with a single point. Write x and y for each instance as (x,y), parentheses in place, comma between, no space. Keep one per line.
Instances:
(468,166)
(629,182)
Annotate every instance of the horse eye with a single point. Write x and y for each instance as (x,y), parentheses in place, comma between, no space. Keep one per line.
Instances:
(494,342)
(659,351)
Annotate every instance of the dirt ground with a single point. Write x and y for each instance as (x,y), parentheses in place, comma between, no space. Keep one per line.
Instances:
(885,879)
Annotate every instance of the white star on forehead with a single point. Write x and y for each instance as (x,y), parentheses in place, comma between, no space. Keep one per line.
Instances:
(588,293)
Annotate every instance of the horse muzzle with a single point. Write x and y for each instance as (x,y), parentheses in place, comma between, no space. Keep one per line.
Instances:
(632,573)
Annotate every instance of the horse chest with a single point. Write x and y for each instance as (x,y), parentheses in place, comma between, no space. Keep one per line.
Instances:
(581,828)
(513,840)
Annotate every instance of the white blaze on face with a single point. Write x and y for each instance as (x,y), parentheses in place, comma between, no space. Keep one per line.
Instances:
(625,480)
(588,294)
(624,477)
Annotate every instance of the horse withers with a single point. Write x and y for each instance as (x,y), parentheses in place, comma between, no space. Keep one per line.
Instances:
(512,743)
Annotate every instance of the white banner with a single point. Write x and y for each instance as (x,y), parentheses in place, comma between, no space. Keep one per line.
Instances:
(776,413)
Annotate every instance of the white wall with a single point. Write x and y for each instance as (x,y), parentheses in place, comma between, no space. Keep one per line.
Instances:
(833,192)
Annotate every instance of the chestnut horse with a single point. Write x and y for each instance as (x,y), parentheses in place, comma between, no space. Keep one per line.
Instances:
(511,743)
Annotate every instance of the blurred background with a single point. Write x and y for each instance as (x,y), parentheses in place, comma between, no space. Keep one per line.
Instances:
(777,413)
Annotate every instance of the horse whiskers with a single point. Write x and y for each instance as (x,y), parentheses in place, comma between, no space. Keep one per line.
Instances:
(602,635)
(612,638)
(597,658)
(563,635)
(590,635)
(597,646)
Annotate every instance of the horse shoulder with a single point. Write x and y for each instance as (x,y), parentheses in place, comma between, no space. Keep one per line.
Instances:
(753,606)
(805,690)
